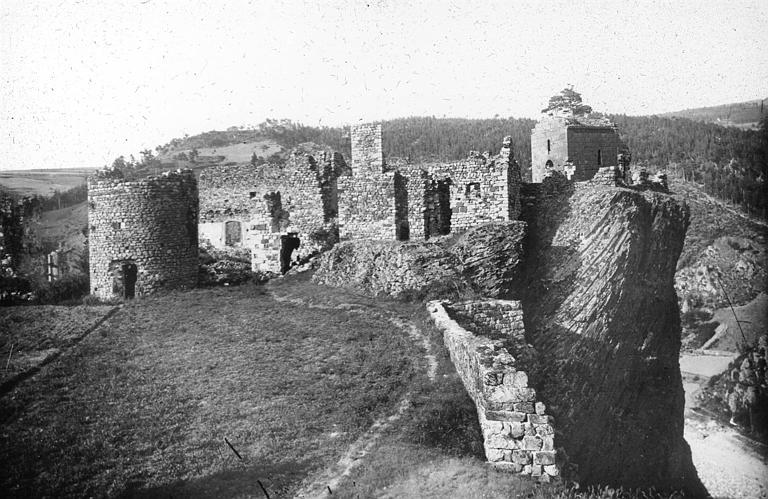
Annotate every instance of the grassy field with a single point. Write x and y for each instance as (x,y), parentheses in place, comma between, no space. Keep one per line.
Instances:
(42,182)
(290,374)
(30,335)
(142,406)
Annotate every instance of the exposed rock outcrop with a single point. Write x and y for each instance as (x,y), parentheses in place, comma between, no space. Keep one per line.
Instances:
(484,259)
(601,311)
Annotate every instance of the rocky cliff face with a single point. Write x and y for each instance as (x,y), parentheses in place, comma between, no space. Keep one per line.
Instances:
(483,259)
(601,311)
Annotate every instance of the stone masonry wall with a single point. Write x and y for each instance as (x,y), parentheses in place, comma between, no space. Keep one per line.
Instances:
(555,139)
(518,436)
(583,145)
(367,151)
(272,201)
(150,222)
(379,204)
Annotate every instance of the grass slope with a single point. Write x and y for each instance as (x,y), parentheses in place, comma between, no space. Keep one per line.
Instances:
(141,407)
(42,182)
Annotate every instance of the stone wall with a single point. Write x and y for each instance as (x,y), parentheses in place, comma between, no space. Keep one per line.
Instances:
(583,146)
(272,203)
(559,139)
(416,201)
(367,151)
(150,223)
(518,436)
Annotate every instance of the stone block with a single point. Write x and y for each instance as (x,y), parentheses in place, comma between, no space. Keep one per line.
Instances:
(544,430)
(521,456)
(544,457)
(537,419)
(536,470)
(516,430)
(540,408)
(551,470)
(494,455)
(526,407)
(531,443)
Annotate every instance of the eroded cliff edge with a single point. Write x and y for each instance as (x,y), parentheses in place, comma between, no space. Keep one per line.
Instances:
(600,309)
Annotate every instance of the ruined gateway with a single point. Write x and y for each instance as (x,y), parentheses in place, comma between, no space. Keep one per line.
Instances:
(571,357)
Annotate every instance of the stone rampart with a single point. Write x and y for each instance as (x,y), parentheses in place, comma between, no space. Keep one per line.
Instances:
(145,227)
(518,435)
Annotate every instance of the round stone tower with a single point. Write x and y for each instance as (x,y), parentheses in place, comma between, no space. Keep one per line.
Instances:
(142,234)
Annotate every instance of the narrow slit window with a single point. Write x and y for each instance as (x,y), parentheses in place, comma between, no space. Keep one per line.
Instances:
(599,158)
(549,148)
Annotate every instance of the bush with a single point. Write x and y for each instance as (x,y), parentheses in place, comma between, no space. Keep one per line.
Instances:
(71,287)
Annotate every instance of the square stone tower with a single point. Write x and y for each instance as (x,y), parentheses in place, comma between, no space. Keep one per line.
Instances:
(576,146)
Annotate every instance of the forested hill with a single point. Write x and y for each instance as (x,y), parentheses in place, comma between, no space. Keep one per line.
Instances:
(731,163)
(740,114)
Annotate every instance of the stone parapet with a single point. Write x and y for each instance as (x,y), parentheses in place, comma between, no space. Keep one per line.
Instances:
(518,435)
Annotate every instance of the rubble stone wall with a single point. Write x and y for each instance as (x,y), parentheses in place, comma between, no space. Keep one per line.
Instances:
(151,223)
(272,201)
(518,435)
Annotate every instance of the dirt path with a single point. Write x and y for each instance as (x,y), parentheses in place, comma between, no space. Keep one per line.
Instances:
(728,464)
(322,484)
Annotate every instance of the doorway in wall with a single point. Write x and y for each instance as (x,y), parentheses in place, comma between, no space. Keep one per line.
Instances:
(437,214)
(288,243)
(125,273)
(233,233)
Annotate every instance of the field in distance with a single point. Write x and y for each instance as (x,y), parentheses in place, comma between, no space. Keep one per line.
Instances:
(42,182)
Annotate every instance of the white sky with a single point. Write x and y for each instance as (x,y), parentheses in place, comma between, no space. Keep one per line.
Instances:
(83,82)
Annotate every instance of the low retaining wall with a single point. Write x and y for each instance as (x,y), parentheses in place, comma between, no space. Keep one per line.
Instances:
(518,435)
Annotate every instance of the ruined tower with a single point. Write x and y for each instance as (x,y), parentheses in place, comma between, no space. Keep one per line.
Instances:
(142,234)
(576,146)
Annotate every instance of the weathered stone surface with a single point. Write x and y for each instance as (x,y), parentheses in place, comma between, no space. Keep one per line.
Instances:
(150,223)
(395,268)
(267,202)
(551,470)
(540,408)
(602,313)
(544,457)
(531,443)
(478,358)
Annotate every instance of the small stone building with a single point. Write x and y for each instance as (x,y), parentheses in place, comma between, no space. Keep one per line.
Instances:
(419,201)
(576,146)
(281,213)
(142,235)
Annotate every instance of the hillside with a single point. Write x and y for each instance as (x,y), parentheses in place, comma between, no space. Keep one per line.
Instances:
(744,115)
(42,182)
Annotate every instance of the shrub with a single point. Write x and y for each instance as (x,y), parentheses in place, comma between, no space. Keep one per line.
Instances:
(71,287)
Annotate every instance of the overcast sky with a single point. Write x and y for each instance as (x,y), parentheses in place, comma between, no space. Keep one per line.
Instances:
(83,82)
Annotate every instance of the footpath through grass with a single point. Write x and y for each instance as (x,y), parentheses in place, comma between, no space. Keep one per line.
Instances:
(141,407)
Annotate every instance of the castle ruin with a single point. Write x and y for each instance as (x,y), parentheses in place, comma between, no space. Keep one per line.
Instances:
(142,234)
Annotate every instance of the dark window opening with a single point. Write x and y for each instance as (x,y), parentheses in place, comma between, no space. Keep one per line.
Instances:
(252,194)
(599,157)
(288,244)
(472,189)
(233,233)
(437,215)
(402,224)
(275,209)
(549,165)
(549,149)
